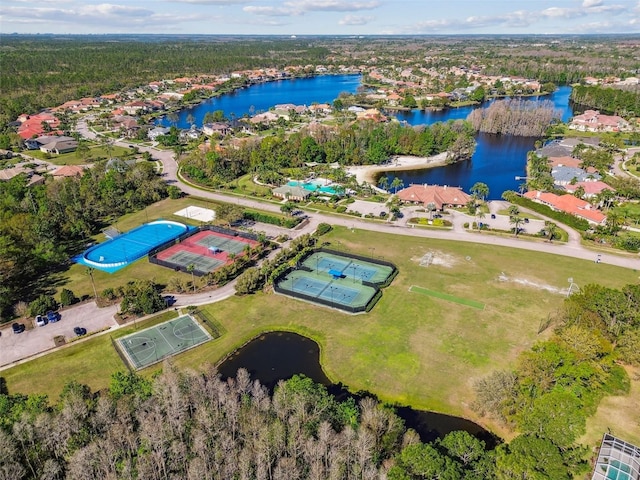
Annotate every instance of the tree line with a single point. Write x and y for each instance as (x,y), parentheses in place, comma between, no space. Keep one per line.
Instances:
(556,385)
(42,226)
(607,99)
(366,142)
(39,72)
(188,425)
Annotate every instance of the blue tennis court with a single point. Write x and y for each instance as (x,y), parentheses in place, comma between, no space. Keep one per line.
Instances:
(124,249)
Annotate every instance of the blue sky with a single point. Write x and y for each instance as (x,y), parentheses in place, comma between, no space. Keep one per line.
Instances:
(326,17)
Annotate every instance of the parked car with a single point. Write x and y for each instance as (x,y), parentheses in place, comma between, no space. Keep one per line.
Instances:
(18,328)
(41,320)
(79,331)
(52,316)
(493,216)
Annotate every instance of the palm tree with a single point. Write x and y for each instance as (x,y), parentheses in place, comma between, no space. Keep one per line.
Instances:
(397,183)
(93,284)
(480,215)
(480,190)
(514,210)
(614,221)
(550,229)
(190,268)
(383,183)
(516,221)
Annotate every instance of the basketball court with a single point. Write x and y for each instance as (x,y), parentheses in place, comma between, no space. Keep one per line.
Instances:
(151,345)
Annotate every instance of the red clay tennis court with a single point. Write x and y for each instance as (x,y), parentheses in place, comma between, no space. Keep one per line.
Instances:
(206,250)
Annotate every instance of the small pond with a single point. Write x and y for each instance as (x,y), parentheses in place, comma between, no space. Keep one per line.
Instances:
(276,356)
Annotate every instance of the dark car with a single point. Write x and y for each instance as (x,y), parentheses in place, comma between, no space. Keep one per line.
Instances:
(18,327)
(79,331)
(493,216)
(52,316)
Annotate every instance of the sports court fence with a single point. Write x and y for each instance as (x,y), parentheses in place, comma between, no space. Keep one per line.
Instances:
(215,329)
(153,254)
(121,354)
(310,298)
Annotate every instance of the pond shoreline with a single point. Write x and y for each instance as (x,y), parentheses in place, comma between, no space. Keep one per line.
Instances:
(368,173)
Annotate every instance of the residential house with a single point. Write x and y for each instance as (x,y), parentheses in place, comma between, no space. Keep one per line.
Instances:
(440,196)
(565,175)
(58,146)
(156,132)
(568,204)
(192,133)
(7,174)
(591,189)
(35,125)
(68,171)
(594,121)
(219,128)
(38,142)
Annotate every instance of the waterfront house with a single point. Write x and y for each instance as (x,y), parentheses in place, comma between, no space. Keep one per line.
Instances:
(568,204)
(440,196)
(594,121)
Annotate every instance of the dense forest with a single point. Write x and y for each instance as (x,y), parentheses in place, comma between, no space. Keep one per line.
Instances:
(608,100)
(42,226)
(349,144)
(515,117)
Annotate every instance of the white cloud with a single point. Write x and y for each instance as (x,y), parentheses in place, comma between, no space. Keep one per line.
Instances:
(269,11)
(332,5)
(111,17)
(355,20)
(591,3)
(210,2)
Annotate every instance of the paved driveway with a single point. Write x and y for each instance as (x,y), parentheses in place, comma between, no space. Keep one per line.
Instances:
(39,339)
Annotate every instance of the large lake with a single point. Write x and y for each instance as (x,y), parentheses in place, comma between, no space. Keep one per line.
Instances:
(497,161)
(262,96)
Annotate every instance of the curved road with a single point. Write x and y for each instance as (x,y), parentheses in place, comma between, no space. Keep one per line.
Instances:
(573,248)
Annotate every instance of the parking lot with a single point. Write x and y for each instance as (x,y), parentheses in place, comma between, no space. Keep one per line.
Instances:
(34,340)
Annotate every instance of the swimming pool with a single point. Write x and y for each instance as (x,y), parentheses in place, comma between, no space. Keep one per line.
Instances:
(124,249)
(314,186)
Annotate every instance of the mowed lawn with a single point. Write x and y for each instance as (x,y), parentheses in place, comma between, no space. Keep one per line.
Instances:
(411,348)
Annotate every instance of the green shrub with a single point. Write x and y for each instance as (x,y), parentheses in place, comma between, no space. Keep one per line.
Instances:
(67,297)
(341,209)
(322,229)
(42,304)
(174,192)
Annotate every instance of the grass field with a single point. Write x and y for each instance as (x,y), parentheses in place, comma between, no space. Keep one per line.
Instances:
(448,298)
(411,349)
(71,158)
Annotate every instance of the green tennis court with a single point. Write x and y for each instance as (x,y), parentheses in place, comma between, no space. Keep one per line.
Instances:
(447,297)
(350,267)
(201,263)
(151,345)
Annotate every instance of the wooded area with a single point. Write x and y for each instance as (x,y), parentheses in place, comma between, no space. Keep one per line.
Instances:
(42,226)
(608,100)
(188,425)
(367,143)
(515,116)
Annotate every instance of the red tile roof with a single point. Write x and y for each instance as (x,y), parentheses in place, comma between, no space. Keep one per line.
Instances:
(568,204)
(436,194)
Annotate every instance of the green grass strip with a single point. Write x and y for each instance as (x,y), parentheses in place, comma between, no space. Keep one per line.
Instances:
(449,298)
